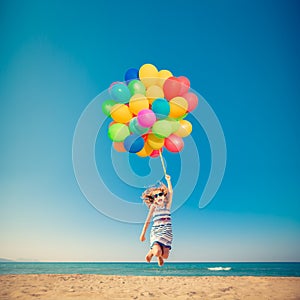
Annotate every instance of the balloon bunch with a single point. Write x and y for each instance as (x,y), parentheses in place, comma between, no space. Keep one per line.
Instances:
(148,111)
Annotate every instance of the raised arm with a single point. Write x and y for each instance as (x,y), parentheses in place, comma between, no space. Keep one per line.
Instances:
(170,193)
(147,222)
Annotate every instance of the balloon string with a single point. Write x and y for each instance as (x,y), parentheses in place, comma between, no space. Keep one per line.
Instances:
(162,162)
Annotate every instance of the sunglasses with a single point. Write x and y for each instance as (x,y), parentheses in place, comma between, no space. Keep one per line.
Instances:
(158,195)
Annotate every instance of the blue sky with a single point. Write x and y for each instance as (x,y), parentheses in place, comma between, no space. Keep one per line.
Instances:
(241,56)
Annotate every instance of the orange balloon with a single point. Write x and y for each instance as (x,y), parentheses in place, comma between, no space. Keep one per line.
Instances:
(178,107)
(146,151)
(138,102)
(121,113)
(185,128)
(162,76)
(154,142)
(119,146)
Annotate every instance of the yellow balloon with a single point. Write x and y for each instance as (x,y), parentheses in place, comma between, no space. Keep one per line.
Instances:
(162,76)
(154,142)
(121,113)
(185,128)
(138,102)
(146,151)
(153,92)
(148,74)
(178,107)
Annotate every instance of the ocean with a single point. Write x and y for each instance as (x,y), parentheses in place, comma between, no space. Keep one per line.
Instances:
(145,269)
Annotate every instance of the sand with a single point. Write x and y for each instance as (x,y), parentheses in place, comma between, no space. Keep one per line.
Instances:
(82,287)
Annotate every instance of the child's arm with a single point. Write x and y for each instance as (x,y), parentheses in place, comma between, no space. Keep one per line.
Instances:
(170,192)
(147,222)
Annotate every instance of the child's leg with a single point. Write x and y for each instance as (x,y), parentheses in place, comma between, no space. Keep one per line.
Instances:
(160,261)
(156,250)
(165,252)
(149,256)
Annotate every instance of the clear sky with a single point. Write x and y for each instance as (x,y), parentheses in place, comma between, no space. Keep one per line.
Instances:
(241,56)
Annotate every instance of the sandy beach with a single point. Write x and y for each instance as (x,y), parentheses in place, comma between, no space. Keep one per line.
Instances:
(75,286)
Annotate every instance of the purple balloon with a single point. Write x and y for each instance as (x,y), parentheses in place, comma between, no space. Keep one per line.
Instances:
(146,118)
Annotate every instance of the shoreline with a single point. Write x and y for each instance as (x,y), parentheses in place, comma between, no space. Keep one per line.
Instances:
(92,286)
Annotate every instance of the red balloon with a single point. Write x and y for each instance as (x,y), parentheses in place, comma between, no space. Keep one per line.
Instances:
(154,153)
(185,84)
(174,143)
(171,88)
(192,100)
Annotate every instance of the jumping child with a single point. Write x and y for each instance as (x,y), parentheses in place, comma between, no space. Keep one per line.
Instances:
(159,201)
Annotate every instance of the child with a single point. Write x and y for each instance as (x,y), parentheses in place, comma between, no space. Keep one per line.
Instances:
(159,200)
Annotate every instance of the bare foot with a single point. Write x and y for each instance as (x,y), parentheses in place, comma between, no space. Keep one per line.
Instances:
(149,256)
(160,261)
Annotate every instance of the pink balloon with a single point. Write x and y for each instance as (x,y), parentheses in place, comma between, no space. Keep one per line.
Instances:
(154,153)
(174,143)
(191,99)
(185,84)
(146,118)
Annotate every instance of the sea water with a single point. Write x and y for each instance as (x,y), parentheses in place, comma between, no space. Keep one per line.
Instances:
(152,269)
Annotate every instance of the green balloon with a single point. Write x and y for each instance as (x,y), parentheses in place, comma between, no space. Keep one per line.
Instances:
(174,124)
(162,128)
(118,132)
(107,105)
(136,87)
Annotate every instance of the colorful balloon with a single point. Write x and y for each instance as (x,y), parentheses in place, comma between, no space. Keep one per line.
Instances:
(192,100)
(107,105)
(153,92)
(119,146)
(155,153)
(134,143)
(174,124)
(120,92)
(171,88)
(174,143)
(136,87)
(162,128)
(121,113)
(185,128)
(162,76)
(161,108)
(131,74)
(118,132)
(155,142)
(146,151)
(185,84)
(136,128)
(148,74)
(178,107)
(148,111)
(137,103)
(146,118)
(115,82)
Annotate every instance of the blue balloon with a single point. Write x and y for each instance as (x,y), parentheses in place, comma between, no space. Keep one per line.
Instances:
(120,93)
(131,74)
(161,108)
(134,143)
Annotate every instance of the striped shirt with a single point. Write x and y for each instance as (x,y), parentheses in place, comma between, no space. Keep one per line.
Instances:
(161,231)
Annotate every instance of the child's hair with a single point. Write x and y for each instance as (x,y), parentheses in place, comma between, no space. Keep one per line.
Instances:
(147,194)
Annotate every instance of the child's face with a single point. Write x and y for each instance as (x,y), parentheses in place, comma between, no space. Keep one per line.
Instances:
(158,197)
